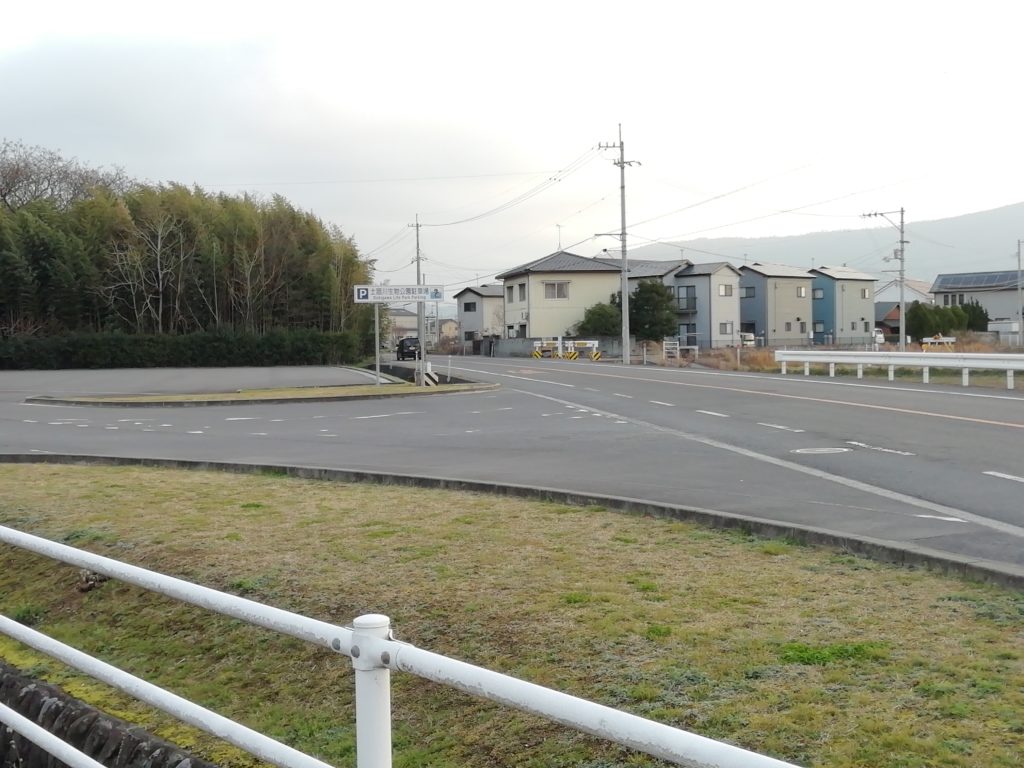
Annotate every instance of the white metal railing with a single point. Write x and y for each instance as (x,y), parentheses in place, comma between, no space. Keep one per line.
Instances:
(374,653)
(964,361)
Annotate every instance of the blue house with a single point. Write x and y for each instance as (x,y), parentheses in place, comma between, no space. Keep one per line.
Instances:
(842,306)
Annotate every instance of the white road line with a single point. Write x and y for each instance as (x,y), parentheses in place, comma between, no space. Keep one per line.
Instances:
(619,394)
(715,413)
(195,432)
(328,435)
(166,425)
(508,408)
(243,418)
(885,493)
(940,517)
(29,421)
(881,450)
(658,402)
(591,389)
(1005,476)
(38,450)
(558,413)
(258,434)
(111,427)
(135,421)
(779,426)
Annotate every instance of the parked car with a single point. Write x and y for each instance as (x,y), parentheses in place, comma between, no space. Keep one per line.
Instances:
(879,337)
(408,349)
(747,340)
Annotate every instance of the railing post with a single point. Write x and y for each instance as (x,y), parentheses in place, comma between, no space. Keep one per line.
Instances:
(924,374)
(831,370)
(892,373)
(807,369)
(966,376)
(373,692)
(783,367)
(1009,379)
(860,370)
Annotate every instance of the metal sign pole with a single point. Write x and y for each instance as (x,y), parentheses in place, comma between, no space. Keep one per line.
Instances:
(376,340)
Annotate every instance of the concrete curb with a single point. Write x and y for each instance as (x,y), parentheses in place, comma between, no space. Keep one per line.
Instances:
(882,550)
(113,403)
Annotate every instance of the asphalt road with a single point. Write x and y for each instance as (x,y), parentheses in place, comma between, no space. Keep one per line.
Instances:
(934,467)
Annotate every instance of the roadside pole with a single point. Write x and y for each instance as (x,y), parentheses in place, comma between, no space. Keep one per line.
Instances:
(376,340)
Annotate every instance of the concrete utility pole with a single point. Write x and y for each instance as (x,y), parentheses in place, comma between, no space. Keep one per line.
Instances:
(1020,301)
(624,304)
(901,255)
(420,332)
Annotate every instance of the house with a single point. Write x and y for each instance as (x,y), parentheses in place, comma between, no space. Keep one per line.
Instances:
(401,323)
(996,292)
(842,306)
(775,304)
(545,298)
(708,303)
(913,290)
(481,311)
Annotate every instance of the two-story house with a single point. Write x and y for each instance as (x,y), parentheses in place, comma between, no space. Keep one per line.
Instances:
(843,306)
(481,311)
(775,304)
(545,298)
(707,302)
(996,292)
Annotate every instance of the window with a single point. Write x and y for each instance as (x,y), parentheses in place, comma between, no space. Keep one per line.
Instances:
(747,292)
(469,335)
(945,299)
(469,306)
(803,327)
(725,289)
(789,326)
(801,291)
(818,293)
(961,297)
(853,325)
(556,290)
(864,293)
(522,291)
(819,327)
(867,326)
(725,329)
(509,295)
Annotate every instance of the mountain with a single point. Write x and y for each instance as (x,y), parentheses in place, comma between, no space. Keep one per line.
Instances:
(975,242)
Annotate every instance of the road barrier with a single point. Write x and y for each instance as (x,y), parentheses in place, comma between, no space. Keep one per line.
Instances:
(374,653)
(962,361)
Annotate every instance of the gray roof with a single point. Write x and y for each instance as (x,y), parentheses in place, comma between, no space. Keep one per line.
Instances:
(776,270)
(842,273)
(975,282)
(481,290)
(561,261)
(640,268)
(708,268)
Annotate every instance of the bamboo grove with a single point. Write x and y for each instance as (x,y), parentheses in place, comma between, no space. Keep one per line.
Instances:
(90,251)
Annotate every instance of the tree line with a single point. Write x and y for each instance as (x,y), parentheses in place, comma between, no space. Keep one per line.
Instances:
(927,320)
(90,251)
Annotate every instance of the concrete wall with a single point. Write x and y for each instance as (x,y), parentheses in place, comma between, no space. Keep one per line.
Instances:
(105,739)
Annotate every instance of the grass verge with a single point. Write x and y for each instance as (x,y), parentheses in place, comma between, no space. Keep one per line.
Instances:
(809,655)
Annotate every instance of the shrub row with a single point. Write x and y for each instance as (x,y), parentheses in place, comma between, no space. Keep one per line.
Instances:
(215,349)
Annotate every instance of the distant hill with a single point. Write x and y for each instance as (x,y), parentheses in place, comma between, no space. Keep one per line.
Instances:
(974,242)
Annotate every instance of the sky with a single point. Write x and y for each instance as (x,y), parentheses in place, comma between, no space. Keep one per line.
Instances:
(741,118)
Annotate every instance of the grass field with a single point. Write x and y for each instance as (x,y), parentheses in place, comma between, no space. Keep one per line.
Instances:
(806,654)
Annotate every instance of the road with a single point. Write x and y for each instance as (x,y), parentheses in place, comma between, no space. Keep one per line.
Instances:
(933,467)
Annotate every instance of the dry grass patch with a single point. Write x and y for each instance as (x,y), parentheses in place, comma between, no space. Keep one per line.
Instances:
(809,655)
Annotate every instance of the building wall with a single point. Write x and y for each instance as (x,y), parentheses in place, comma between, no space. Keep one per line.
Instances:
(488,318)
(555,317)
(783,305)
(723,309)
(1000,305)
(753,311)
(851,308)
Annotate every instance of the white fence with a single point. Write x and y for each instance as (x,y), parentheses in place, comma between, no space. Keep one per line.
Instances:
(374,653)
(964,362)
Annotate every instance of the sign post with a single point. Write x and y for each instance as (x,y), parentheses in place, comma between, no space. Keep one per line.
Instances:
(396,294)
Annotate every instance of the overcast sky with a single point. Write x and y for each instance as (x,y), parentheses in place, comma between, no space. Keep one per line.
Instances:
(368,114)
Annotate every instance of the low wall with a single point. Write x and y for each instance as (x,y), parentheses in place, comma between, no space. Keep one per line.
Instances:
(105,739)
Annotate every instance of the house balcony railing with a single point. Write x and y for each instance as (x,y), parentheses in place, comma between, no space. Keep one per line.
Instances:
(686,304)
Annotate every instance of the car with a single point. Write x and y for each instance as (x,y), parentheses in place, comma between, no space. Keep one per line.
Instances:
(747,340)
(408,349)
(879,337)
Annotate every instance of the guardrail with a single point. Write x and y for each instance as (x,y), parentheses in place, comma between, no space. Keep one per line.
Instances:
(374,653)
(965,362)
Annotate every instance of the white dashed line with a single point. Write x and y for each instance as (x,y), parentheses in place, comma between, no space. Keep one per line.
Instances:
(38,450)
(1005,476)
(166,425)
(509,408)
(242,418)
(880,449)
(778,426)
(939,517)
(658,402)
(195,432)
(111,427)
(29,421)
(558,413)
(134,421)
(715,413)
(258,434)
(328,435)
(619,394)
(591,389)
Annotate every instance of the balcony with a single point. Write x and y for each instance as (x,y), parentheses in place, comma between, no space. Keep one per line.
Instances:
(686,305)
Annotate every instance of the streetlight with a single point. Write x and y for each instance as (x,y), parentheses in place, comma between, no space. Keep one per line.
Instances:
(899,254)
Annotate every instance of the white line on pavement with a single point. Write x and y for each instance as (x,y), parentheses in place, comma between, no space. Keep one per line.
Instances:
(658,402)
(779,426)
(714,413)
(243,418)
(619,394)
(940,517)
(881,450)
(1005,476)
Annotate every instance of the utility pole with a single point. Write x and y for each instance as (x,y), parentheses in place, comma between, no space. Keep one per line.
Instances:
(624,304)
(900,254)
(1020,301)
(420,366)
(559,227)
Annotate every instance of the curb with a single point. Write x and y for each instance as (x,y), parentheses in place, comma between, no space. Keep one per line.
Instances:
(882,550)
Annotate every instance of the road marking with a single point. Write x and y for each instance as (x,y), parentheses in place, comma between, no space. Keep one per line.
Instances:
(557,413)
(508,408)
(258,434)
(577,417)
(244,418)
(166,425)
(1005,476)
(778,426)
(522,378)
(38,450)
(823,450)
(658,402)
(111,427)
(328,435)
(885,493)
(471,431)
(940,517)
(881,450)
(134,421)
(715,413)
(195,432)
(591,389)
(619,394)
(29,421)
